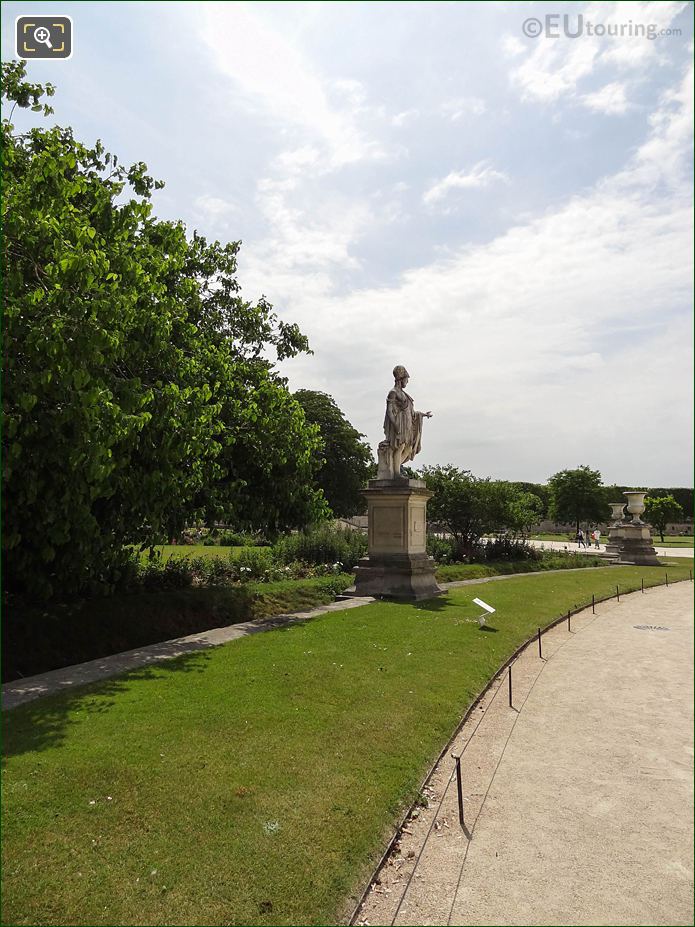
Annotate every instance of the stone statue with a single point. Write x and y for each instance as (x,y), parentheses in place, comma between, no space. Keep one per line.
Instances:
(402,427)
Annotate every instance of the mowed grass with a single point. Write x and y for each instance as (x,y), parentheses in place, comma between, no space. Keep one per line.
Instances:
(672,541)
(254,783)
(179,551)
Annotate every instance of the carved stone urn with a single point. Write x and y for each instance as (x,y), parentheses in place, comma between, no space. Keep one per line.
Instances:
(631,541)
(635,506)
(617,513)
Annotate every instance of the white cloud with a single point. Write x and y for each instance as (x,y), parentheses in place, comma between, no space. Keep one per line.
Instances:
(664,157)
(555,67)
(462,106)
(297,160)
(407,116)
(267,69)
(304,238)
(512,46)
(543,344)
(480,175)
(215,211)
(351,91)
(610,99)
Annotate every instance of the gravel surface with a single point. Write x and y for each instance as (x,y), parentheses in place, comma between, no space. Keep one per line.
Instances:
(578,800)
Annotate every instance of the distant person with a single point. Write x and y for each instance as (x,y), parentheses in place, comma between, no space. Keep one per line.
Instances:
(597,537)
(580,538)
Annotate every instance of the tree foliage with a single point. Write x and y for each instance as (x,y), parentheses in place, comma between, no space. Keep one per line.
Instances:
(542,493)
(346,460)
(469,507)
(577,495)
(682,495)
(660,510)
(138,393)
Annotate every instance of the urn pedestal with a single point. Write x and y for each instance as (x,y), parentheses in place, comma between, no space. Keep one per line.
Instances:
(631,542)
(615,531)
(397,565)
(635,546)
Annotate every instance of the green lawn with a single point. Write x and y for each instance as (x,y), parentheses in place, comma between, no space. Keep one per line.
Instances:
(254,783)
(551,537)
(672,541)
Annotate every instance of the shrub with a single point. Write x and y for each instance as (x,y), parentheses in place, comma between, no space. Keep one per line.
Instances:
(442,549)
(323,544)
(256,563)
(507,549)
(154,575)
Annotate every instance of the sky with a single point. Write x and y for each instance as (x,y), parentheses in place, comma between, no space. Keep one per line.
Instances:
(506,213)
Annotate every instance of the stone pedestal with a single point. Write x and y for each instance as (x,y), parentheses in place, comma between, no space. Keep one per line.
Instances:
(632,543)
(397,566)
(615,540)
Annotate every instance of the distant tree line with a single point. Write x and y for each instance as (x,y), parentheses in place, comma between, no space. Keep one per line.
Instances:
(614,493)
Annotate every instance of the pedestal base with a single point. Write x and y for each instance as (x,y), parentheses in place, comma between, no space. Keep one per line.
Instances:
(632,544)
(615,540)
(397,566)
(409,577)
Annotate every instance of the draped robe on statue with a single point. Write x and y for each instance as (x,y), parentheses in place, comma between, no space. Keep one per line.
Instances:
(403,430)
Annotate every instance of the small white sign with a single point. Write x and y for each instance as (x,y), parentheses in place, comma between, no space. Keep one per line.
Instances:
(488,608)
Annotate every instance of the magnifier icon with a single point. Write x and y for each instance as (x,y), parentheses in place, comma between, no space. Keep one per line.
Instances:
(43,36)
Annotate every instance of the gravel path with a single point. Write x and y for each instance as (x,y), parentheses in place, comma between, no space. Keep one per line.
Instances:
(578,800)
(571,546)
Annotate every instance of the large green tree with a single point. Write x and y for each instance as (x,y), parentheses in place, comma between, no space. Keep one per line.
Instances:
(347,460)
(660,510)
(138,390)
(578,496)
(469,507)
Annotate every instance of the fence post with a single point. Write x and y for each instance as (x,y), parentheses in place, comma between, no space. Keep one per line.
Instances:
(510,688)
(459,786)
(617,593)
(593,604)
(569,615)
(667,578)
(643,584)
(540,646)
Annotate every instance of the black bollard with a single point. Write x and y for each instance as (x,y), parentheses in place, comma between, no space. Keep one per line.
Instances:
(540,646)
(667,579)
(617,593)
(510,687)
(643,584)
(459,786)
(569,621)
(593,604)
